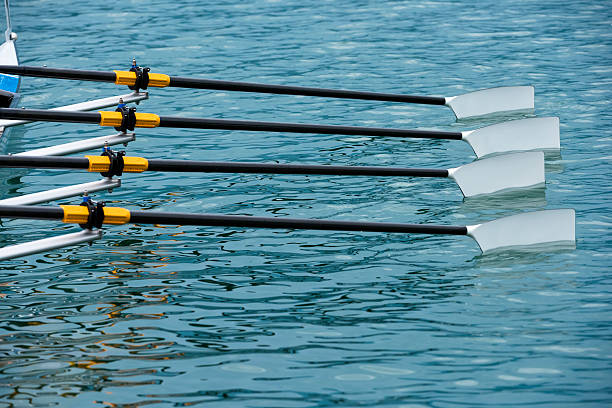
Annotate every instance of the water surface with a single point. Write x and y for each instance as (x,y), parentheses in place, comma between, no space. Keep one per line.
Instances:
(180,316)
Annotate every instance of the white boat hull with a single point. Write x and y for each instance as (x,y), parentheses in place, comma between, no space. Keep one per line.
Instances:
(8,83)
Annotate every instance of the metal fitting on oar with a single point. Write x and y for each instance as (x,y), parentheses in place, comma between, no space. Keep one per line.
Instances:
(115,166)
(95,214)
(142,77)
(128,118)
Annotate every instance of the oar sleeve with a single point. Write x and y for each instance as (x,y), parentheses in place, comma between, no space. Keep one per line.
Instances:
(129,78)
(115,119)
(78,214)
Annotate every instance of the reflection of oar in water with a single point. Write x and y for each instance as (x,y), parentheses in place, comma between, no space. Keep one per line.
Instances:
(532,228)
(485,176)
(516,135)
(476,103)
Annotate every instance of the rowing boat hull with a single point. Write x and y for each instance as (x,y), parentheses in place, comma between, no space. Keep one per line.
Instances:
(8,83)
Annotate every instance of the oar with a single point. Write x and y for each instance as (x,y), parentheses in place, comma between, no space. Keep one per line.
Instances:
(476,103)
(539,227)
(511,171)
(516,135)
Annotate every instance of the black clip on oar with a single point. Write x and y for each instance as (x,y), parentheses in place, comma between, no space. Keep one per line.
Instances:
(142,77)
(96,213)
(116,162)
(128,121)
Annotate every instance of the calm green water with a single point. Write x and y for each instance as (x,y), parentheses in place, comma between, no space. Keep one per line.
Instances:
(165,316)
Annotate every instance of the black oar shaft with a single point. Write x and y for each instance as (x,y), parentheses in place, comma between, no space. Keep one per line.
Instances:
(214,84)
(46,162)
(300,90)
(228,124)
(240,221)
(58,73)
(273,168)
(54,162)
(245,125)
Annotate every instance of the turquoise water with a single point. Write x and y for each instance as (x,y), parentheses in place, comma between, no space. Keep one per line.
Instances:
(182,316)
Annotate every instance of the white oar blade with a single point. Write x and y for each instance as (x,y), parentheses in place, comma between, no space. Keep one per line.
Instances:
(493,100)
(500,173)
(533,228)
(515,136)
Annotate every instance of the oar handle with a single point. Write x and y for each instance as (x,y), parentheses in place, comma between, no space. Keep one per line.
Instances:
(226,124)
(301,90)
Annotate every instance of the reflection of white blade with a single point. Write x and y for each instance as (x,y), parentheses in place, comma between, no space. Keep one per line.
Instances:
(538,227)
(514,136)
(486,101)
(49,244)
(518,170)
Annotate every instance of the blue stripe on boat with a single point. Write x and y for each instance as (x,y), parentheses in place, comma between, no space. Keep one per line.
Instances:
(9,83)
